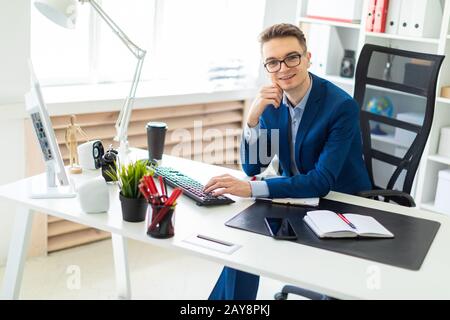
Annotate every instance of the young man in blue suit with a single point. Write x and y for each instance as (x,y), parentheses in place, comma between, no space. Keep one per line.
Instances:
(312,126)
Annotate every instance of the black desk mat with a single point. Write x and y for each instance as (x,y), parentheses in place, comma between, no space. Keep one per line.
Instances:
(413,236)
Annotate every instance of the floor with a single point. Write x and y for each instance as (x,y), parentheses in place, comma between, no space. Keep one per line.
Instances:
(87,272)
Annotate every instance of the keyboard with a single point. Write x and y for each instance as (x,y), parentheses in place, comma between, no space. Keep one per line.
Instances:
(191,188)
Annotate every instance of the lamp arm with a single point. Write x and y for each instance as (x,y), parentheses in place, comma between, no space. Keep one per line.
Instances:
(125,113)
(135,50)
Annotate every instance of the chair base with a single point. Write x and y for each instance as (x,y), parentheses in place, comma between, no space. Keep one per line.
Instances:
(283,295)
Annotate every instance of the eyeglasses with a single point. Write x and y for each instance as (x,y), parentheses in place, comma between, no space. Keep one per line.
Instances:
(290,61)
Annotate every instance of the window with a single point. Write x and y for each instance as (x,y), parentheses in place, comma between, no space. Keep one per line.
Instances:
(193,42)
(114,61)
(60,56)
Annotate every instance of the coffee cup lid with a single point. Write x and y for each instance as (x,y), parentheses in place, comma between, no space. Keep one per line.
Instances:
(157,124)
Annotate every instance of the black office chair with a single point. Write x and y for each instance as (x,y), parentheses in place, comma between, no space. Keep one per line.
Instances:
(407,81)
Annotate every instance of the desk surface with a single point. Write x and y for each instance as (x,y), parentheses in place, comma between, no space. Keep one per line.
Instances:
(324,271)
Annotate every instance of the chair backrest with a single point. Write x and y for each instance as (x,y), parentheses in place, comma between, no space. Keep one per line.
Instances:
(396,90)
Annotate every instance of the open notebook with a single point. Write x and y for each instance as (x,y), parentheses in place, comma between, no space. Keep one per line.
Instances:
(328,224)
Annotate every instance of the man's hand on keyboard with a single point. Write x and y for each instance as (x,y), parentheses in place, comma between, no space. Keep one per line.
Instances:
(228,184)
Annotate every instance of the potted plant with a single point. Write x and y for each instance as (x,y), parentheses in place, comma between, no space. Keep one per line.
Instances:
(134,205)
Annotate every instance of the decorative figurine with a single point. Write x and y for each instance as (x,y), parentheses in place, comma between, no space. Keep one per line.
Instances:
(348,64)
(72,142)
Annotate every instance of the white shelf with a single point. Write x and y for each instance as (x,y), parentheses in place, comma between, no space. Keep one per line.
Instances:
(388,138)
(338,79)
(330,23)
(430,207)
(391,91)
(443,100)
(399,37)
(440,159)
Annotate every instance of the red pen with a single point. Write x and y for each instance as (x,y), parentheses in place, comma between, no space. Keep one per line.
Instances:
(152,185)
(144,180)
(144,191)
(346,220)
(161,184)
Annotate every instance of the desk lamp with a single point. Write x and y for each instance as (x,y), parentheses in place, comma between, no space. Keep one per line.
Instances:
(64,13)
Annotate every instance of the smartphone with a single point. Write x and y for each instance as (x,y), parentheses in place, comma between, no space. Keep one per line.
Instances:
(280,228)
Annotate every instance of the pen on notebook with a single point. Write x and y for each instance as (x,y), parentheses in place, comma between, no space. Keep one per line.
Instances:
(346,220)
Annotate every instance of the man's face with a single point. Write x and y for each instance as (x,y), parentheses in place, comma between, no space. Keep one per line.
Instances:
(282,48)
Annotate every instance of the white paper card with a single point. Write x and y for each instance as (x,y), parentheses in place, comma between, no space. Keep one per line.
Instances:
(212,243)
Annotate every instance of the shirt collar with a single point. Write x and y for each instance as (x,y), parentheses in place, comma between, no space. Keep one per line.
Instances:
(302,103)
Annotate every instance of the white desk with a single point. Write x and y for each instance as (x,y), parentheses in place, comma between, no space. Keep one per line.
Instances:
(324,271)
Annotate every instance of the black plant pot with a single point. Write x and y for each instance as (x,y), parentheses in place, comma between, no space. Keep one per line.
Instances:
(133,209)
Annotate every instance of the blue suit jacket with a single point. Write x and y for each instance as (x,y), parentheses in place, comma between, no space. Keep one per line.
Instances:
(328,146)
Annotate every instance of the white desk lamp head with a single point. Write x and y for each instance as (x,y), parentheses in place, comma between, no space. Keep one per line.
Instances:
(61,12)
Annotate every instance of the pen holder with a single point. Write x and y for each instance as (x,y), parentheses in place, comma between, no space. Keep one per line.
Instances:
(165,227)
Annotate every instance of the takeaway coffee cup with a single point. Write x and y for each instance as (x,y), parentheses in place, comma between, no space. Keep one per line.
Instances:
(156,134)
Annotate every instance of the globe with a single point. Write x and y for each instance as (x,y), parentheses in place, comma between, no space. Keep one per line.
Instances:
(382,106)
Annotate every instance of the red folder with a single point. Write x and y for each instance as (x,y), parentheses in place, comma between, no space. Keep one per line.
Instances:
(370,18)
(381,10)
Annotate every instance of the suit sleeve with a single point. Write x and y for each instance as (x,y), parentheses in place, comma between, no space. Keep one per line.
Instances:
(252,146)
(319,181)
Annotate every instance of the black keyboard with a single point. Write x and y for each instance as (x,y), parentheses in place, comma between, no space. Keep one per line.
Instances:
(191,188)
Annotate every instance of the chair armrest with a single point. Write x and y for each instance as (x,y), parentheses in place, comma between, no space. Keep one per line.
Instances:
(399,197)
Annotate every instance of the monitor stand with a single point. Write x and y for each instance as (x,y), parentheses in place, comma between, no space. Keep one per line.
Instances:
(47,188)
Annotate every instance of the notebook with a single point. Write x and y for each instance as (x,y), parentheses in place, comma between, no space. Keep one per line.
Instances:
(328,224)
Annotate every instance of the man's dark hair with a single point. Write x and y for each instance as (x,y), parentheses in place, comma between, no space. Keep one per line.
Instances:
(283,30)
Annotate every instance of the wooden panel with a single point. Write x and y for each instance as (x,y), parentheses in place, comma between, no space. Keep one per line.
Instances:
(61,227)
(52,219)
(35,165)
(136,128)
(108,118)
(231,130)
(77,238)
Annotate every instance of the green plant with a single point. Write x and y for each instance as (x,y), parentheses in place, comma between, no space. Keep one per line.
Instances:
(128,176)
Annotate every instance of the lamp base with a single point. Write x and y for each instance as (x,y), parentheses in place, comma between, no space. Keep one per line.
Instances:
(39,189)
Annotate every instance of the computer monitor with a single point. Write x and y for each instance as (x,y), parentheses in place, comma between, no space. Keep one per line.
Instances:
(54,165)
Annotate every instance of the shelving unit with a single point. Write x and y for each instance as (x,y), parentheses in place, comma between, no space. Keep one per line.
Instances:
(341,80)
(399,37)
(388,139)
(386,90)
(353,36)
(430,207)
(443,100)
(439,159)
(331,23)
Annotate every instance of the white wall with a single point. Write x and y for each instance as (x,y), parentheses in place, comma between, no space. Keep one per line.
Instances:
(284,11)
(14,35)
(277,11)
(14,82)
